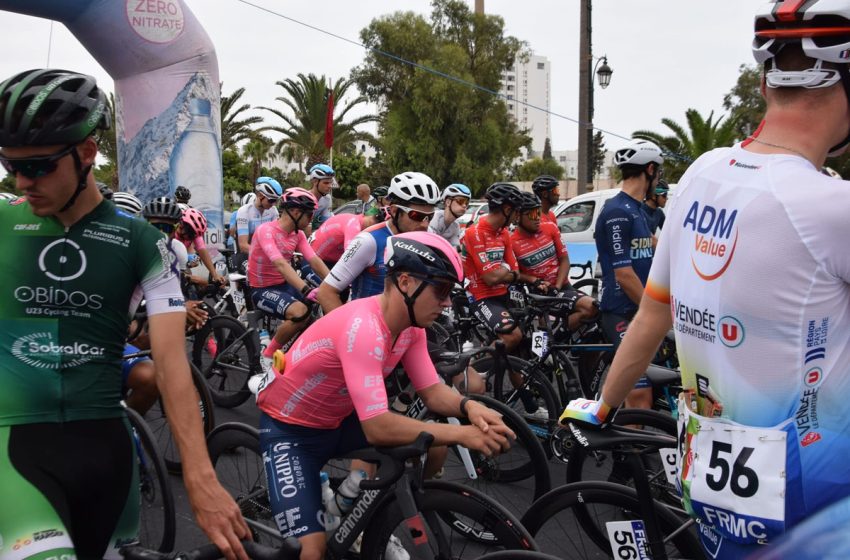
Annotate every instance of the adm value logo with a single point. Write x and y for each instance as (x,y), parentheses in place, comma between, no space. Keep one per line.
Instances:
(715,239)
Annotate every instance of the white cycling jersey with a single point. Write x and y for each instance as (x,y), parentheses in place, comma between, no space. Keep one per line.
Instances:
(753,261)
(249,217)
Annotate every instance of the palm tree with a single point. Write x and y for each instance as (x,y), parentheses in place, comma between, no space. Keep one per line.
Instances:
(686,145)
(256,151)
(233,128)
(304,128)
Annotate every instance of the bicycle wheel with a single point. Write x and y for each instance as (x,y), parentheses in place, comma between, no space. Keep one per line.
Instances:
(453,513)
(157,523)
(509,476)
(554,521)
(535,400)
(224,351)
(235,454)
(161,430)
(588,286)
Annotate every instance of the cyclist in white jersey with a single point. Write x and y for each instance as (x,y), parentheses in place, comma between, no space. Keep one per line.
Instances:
(753,263)
(258,211)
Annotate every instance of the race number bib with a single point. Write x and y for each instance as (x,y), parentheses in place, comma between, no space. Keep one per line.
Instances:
(732,476)
(628,540)
(539,343)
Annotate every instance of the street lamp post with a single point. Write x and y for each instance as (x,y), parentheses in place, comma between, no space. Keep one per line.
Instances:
(587,69)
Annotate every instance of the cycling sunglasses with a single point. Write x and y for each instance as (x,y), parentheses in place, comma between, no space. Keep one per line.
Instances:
(442,288)
(167,229)
(533,214)
(35,167)
(416,215)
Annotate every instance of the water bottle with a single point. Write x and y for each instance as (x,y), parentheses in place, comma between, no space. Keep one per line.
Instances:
(190,166)
(330,521)
(265,340)
(346,493)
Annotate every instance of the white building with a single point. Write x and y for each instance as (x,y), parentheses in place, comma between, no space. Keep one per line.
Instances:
(528,82)
(568,159)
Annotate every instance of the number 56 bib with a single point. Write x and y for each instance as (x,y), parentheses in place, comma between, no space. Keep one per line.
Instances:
(732,476)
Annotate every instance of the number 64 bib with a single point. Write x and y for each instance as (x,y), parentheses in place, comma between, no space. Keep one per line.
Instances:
(732,476)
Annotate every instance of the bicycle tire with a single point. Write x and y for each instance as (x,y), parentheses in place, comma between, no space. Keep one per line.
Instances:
(530,465)
(224,356)
(158,422)
(452,511)
(588,286)
(157,516)
(536,382)
(235,454)
(552,521)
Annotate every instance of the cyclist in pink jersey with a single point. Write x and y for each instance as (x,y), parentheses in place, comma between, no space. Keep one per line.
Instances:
(276,287)
(331,399)
(190,231)
(334,235)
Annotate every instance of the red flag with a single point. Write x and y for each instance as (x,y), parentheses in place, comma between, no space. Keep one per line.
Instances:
(329,121)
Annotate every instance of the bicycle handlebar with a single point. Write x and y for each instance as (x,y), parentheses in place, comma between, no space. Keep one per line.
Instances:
(290,549)
(390,471)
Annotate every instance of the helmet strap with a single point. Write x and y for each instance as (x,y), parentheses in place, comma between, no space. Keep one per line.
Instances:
(452,212)
(82,176)
(395,219)
(409,300)
(844,72)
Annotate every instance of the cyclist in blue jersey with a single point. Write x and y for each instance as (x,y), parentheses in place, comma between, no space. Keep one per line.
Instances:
(625,247)
(67,466)
(412,197)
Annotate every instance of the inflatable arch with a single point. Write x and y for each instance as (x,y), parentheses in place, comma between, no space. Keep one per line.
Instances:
(166,93)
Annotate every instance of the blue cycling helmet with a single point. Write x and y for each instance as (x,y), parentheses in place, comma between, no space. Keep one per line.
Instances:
(457,189)
(322,171)
(269,188)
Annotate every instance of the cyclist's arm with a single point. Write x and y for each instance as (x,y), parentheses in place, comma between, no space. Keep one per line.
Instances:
(204,255)
(563,277)
(490,272)
(243,230)
(359,255)
(316,263)
(629,281)
(216,512)
(617,230)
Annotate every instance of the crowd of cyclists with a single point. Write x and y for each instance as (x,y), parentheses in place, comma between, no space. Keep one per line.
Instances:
(741,266)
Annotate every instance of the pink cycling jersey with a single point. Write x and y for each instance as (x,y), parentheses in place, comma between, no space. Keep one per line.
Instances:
(334,235)
(272,243)
(339,364)
(198,242)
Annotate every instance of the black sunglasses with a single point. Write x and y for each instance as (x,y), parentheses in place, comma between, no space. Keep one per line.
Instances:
(416,215)
(35,167)
(442,289)
(165,228)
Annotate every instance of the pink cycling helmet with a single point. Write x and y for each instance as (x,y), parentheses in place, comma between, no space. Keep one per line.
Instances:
(424,254)
(195,220)
(299,198)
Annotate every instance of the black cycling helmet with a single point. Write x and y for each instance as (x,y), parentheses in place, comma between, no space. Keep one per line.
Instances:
(424,255)
(162,208)
(544,183)
(104,190)
(182,194)
(499,194)
(530,201)
(46,107)
(380,192)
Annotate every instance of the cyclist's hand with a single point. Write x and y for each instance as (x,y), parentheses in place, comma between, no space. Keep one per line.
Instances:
(195,314)
(313,295)
(587,411)
(485,418)
(219,279)
(489,443)
(219,517)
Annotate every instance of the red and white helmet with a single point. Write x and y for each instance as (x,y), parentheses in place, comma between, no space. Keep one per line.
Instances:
(196,221)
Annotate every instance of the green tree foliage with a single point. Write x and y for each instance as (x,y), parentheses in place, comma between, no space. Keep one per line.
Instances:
(351,170)
(258,150)
(535,167)
(686,144)
(237,173)
(304,115)
(598,156)
(107,147)
(235,126)
(745,102)
(7,184)
(547,149)
(432,124)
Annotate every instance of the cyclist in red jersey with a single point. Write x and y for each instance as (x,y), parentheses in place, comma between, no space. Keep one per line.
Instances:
(543,260)
(331,399)
(546,187)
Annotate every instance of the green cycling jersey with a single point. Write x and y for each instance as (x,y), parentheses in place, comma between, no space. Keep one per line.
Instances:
(67,295)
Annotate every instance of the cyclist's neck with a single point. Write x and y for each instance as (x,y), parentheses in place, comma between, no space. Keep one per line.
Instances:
(635,187)
(88,200)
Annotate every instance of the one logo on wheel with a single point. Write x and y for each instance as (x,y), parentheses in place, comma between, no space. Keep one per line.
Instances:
(62,260)
(731,331)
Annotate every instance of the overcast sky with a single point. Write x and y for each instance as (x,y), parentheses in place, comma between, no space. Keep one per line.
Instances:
(667,55)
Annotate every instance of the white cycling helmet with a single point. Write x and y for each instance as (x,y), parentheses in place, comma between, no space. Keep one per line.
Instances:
(456,189)
(413,188)
(249,198)
(638,152)
(127,202)
(183,206)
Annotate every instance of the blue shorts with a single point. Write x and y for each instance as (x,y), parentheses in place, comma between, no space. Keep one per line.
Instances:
(294,457)
(275,300)
(128,365)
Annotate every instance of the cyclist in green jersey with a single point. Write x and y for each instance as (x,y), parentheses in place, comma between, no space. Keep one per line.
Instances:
(74,268)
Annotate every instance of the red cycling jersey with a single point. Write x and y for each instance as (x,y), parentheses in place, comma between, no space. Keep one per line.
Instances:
(539,254)
(549,217)
(339,364)
(484,249)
